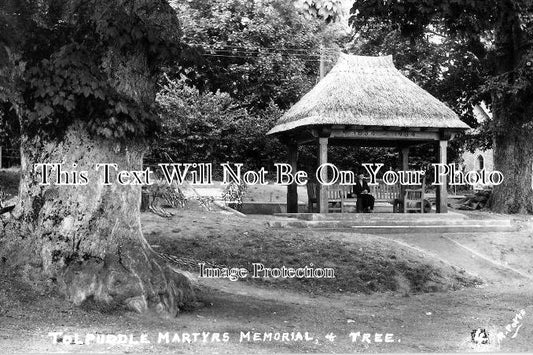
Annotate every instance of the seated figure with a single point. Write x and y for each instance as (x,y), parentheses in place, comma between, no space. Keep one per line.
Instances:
(365,201)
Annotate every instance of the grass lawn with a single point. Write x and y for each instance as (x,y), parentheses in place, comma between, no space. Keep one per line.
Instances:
(369,265)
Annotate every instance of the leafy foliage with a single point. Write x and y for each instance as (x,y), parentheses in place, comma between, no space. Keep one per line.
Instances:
(443,67)
(257,51)
(73,58)
(480,50)
(326,10)
(212,127)
(246,63)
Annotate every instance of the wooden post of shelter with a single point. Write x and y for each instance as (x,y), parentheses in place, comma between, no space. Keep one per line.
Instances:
(405,158)
(292,189)
(322,189)
(404,154)
(442,190)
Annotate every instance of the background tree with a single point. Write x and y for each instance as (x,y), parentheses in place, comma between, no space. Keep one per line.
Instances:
(213,128)
(246,62)
(79,76)
(257,51)
(495,38)
(446,69)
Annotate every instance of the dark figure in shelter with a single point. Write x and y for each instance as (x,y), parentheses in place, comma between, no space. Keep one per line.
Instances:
(365,201)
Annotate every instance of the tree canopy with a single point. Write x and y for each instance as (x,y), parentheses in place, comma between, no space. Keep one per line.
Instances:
(257,51)
(481,48)
(58,57)
(245,62)
(488,56)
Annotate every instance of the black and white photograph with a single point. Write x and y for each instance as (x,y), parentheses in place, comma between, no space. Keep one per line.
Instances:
(266,176)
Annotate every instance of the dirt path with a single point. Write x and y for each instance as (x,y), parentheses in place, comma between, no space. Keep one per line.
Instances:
(427,322)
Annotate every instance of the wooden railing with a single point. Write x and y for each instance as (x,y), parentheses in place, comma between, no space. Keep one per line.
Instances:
(385,193)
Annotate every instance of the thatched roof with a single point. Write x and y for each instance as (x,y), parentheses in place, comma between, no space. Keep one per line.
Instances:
(368,91)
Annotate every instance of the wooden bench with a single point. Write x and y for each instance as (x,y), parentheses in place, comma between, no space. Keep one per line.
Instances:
(338,200)
(413,199)
(385,193)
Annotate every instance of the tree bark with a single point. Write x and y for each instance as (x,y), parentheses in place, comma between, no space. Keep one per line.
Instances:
(513,156)
(512,116)
(88,239)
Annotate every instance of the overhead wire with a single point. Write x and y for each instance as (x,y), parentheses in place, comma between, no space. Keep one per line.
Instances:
(302,49)
(246,53)
(309,58)
(225,56)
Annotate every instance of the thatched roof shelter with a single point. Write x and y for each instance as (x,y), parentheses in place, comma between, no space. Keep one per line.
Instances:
(366,101)
(368,91)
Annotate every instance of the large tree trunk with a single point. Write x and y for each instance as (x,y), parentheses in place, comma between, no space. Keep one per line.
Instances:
(88,239)
(512,115)
(513,156)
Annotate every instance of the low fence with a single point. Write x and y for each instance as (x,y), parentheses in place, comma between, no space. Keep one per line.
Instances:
(9,157)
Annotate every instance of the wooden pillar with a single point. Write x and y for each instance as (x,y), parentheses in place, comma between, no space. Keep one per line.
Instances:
(292,189)
(442,190)
(322,195)
(404,161)
(405,158)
